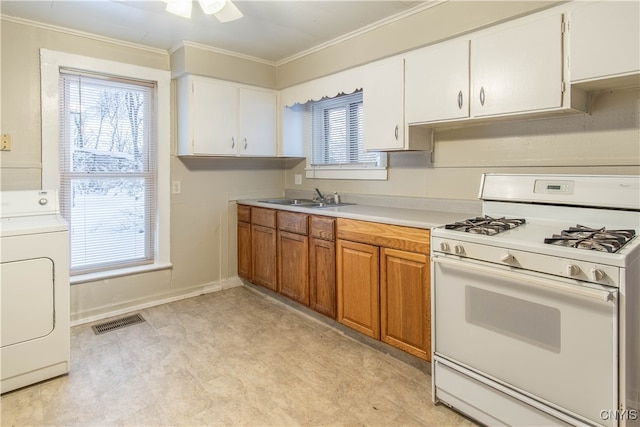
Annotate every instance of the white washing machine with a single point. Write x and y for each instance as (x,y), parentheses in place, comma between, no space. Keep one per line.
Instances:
(34,294)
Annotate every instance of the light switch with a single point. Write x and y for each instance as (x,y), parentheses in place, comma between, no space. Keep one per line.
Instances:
(298,179)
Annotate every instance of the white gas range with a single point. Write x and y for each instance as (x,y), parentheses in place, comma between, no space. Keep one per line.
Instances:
(536,304)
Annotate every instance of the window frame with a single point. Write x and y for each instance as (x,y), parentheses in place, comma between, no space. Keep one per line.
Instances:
(50,64)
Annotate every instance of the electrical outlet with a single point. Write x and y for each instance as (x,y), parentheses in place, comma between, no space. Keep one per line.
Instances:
(176,187)
(298,179)
(6,142)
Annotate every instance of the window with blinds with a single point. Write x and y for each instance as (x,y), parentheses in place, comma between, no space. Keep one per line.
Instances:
(108,172)
(337,133)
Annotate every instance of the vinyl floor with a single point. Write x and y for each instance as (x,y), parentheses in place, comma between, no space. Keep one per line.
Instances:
(236,357)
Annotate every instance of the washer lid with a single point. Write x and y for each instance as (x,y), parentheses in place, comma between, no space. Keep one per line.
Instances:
(22,225)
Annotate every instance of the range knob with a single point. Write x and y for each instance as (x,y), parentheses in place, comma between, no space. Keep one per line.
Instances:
(458,249)
(572,270)
(507,258)
(444,247)
(597,274)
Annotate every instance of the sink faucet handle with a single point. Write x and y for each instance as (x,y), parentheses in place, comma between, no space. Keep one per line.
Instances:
(336,197)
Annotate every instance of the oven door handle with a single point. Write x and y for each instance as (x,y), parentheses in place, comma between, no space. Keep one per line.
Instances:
(600,295)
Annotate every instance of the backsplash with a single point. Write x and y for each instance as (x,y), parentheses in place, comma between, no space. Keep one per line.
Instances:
(431,204)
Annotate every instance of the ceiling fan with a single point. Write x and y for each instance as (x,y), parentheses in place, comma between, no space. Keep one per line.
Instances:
(224,10)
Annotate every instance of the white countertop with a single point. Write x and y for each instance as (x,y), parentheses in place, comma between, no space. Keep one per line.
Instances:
(387,215)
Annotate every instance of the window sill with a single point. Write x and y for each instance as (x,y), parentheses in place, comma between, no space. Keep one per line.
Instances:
(94,277)
(379,174)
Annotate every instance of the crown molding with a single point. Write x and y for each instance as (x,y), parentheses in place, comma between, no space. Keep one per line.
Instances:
(338,40)
(83,34)
(360,31)
(188,43)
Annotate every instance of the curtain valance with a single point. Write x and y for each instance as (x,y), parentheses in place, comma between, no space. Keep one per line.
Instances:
(344,82)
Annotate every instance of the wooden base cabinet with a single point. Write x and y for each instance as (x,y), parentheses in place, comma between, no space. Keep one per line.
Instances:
(405,310)
(244,242)
(358,298)
(383,283)
(322,265)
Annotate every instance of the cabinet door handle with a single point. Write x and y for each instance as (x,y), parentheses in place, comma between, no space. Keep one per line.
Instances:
(396,132)
(460,100)
(245,143)
(233,142)
(482,96)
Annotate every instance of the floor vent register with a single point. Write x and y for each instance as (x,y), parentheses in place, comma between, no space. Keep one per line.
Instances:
(117,324)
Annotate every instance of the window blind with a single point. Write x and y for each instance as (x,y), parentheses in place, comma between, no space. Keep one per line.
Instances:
(108,172)
(337,132)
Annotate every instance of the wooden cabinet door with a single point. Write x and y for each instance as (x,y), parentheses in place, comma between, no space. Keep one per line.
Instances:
(263,256)
(293,262)
(383,99)
(358,296)
(244,241)
(405,302)
(244,250)
(437,82)
(322,276)
(257,123)
(518,69)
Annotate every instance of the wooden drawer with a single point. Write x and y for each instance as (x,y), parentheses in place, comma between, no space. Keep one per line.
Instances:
(385,235)
(264,217)
(323,228)
(244,213)
(293,222)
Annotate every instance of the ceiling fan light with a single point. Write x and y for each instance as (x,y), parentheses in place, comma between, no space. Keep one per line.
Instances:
(210,7)
(179,7)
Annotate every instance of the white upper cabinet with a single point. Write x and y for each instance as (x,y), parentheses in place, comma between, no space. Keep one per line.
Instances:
(437,82)
(383,101)
(518,69)
(218,118)
(605,40)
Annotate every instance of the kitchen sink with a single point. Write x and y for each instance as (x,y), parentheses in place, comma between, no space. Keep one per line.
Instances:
(288,202)
(330,205)
(307,203)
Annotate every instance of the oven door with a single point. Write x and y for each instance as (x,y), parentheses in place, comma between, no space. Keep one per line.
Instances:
(545,337)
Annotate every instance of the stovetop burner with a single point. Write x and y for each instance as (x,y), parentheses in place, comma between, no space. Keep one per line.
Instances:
(485,225)
(599,239)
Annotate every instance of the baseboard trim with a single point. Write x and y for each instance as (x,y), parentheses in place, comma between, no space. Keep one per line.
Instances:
(135,305)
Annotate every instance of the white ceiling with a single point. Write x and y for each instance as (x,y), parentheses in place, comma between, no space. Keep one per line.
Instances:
(270,30)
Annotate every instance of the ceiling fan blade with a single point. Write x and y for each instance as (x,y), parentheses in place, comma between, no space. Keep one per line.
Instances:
(229,13)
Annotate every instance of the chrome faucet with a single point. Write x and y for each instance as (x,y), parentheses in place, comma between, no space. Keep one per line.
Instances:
(334,198)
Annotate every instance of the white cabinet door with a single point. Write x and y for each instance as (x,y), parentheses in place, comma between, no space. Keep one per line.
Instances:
(214,116)
(257,122)
(605,40)
(518,69)
(437,82)
(383,101)
(218,118)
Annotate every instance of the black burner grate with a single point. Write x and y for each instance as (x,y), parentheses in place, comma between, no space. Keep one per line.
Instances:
(485,225)
(597,239)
